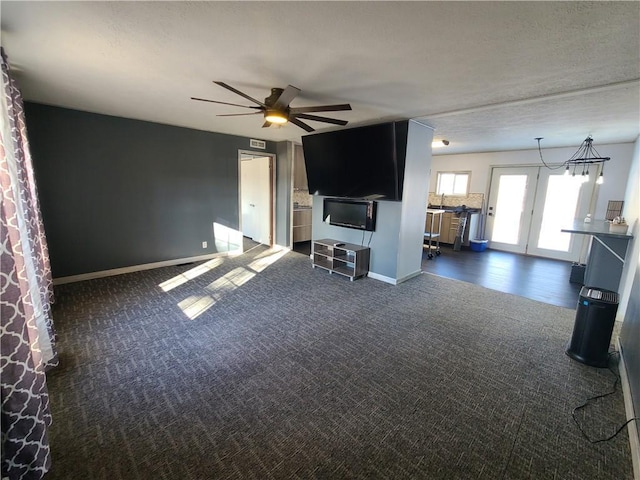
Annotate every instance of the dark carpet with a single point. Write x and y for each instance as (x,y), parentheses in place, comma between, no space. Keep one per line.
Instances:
(259,366)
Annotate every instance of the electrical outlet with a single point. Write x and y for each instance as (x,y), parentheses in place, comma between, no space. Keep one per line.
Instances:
(204,244)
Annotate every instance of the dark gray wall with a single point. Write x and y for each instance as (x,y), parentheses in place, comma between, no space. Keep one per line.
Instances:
(117,192)
(630,341)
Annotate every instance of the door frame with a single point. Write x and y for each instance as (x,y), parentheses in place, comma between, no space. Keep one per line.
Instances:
(272,189)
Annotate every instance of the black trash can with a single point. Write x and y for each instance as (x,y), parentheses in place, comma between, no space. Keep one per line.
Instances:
(595,317)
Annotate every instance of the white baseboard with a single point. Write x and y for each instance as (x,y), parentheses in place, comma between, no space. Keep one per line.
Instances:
(632,428)
(138,268)
(409,277)
(382,278)
(393,281)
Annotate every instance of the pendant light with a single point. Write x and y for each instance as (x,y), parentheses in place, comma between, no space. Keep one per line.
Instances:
(585,156)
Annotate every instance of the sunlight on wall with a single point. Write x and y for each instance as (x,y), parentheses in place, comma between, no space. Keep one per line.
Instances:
(190,274)
(194,306)
(227,239)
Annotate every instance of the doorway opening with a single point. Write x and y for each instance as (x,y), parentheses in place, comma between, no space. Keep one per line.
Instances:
(257,196)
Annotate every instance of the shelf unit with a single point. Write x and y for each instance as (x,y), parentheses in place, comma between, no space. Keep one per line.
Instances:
(346,259)
(433,230)
(302,220)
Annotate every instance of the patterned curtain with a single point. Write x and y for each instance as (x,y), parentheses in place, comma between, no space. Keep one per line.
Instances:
(27,339)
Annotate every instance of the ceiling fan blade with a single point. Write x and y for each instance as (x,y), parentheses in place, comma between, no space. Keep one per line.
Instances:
(222,103)
(335,121)
(238,92)
(237,114)
(266,124)
(322,108)
(300,124)
(286,96)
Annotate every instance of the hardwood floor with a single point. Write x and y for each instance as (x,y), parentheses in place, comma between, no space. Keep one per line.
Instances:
(536,278)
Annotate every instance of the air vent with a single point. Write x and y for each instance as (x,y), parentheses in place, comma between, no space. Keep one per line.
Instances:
(261,144)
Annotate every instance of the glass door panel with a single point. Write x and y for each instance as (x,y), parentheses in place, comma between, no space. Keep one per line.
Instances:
(508,210)
(510,206)
(561,199)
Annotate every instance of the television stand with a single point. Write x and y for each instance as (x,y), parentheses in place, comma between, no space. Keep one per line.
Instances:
(346,259)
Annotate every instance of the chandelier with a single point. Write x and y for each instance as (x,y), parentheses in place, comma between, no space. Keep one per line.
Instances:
(585,156)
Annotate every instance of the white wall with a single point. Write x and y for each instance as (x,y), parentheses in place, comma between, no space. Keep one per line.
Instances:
(616,170)
(415,193)
(632,214)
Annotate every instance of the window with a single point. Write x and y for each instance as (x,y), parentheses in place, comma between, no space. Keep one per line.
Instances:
(453,183)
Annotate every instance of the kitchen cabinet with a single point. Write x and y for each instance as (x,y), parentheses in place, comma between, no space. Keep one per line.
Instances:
(299,169)
(445,231)
(450,222)
(302,224)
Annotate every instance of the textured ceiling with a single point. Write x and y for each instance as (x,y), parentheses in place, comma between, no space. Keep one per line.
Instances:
(487,75)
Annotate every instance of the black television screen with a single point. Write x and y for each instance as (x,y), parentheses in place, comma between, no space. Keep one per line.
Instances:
(342,212)
(364,162)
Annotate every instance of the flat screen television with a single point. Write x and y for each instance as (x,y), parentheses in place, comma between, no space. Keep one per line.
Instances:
(363,162)
(344,212)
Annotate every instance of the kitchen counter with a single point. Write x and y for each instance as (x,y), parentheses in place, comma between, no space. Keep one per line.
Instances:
(451,217)
(596,227)
(455,209)
(607,253)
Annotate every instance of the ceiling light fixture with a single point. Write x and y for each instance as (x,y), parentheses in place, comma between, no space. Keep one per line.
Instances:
(585,156)
(439,143)
(274,116)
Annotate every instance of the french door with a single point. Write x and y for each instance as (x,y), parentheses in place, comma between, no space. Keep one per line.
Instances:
(528,207)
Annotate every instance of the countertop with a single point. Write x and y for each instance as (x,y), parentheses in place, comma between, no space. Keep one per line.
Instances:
(598,228)
(453,209)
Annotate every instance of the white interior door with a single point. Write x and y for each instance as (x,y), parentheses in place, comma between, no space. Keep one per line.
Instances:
(510,206)
(255,198)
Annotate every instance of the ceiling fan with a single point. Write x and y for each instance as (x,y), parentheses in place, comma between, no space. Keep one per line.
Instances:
(276,109)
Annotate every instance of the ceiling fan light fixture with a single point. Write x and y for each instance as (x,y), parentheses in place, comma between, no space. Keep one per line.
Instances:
(273,116)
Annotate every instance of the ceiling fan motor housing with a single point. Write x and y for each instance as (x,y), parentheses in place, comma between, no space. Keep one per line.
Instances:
(273,98)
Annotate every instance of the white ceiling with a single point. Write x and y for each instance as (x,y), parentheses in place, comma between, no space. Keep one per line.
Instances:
(487,75)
